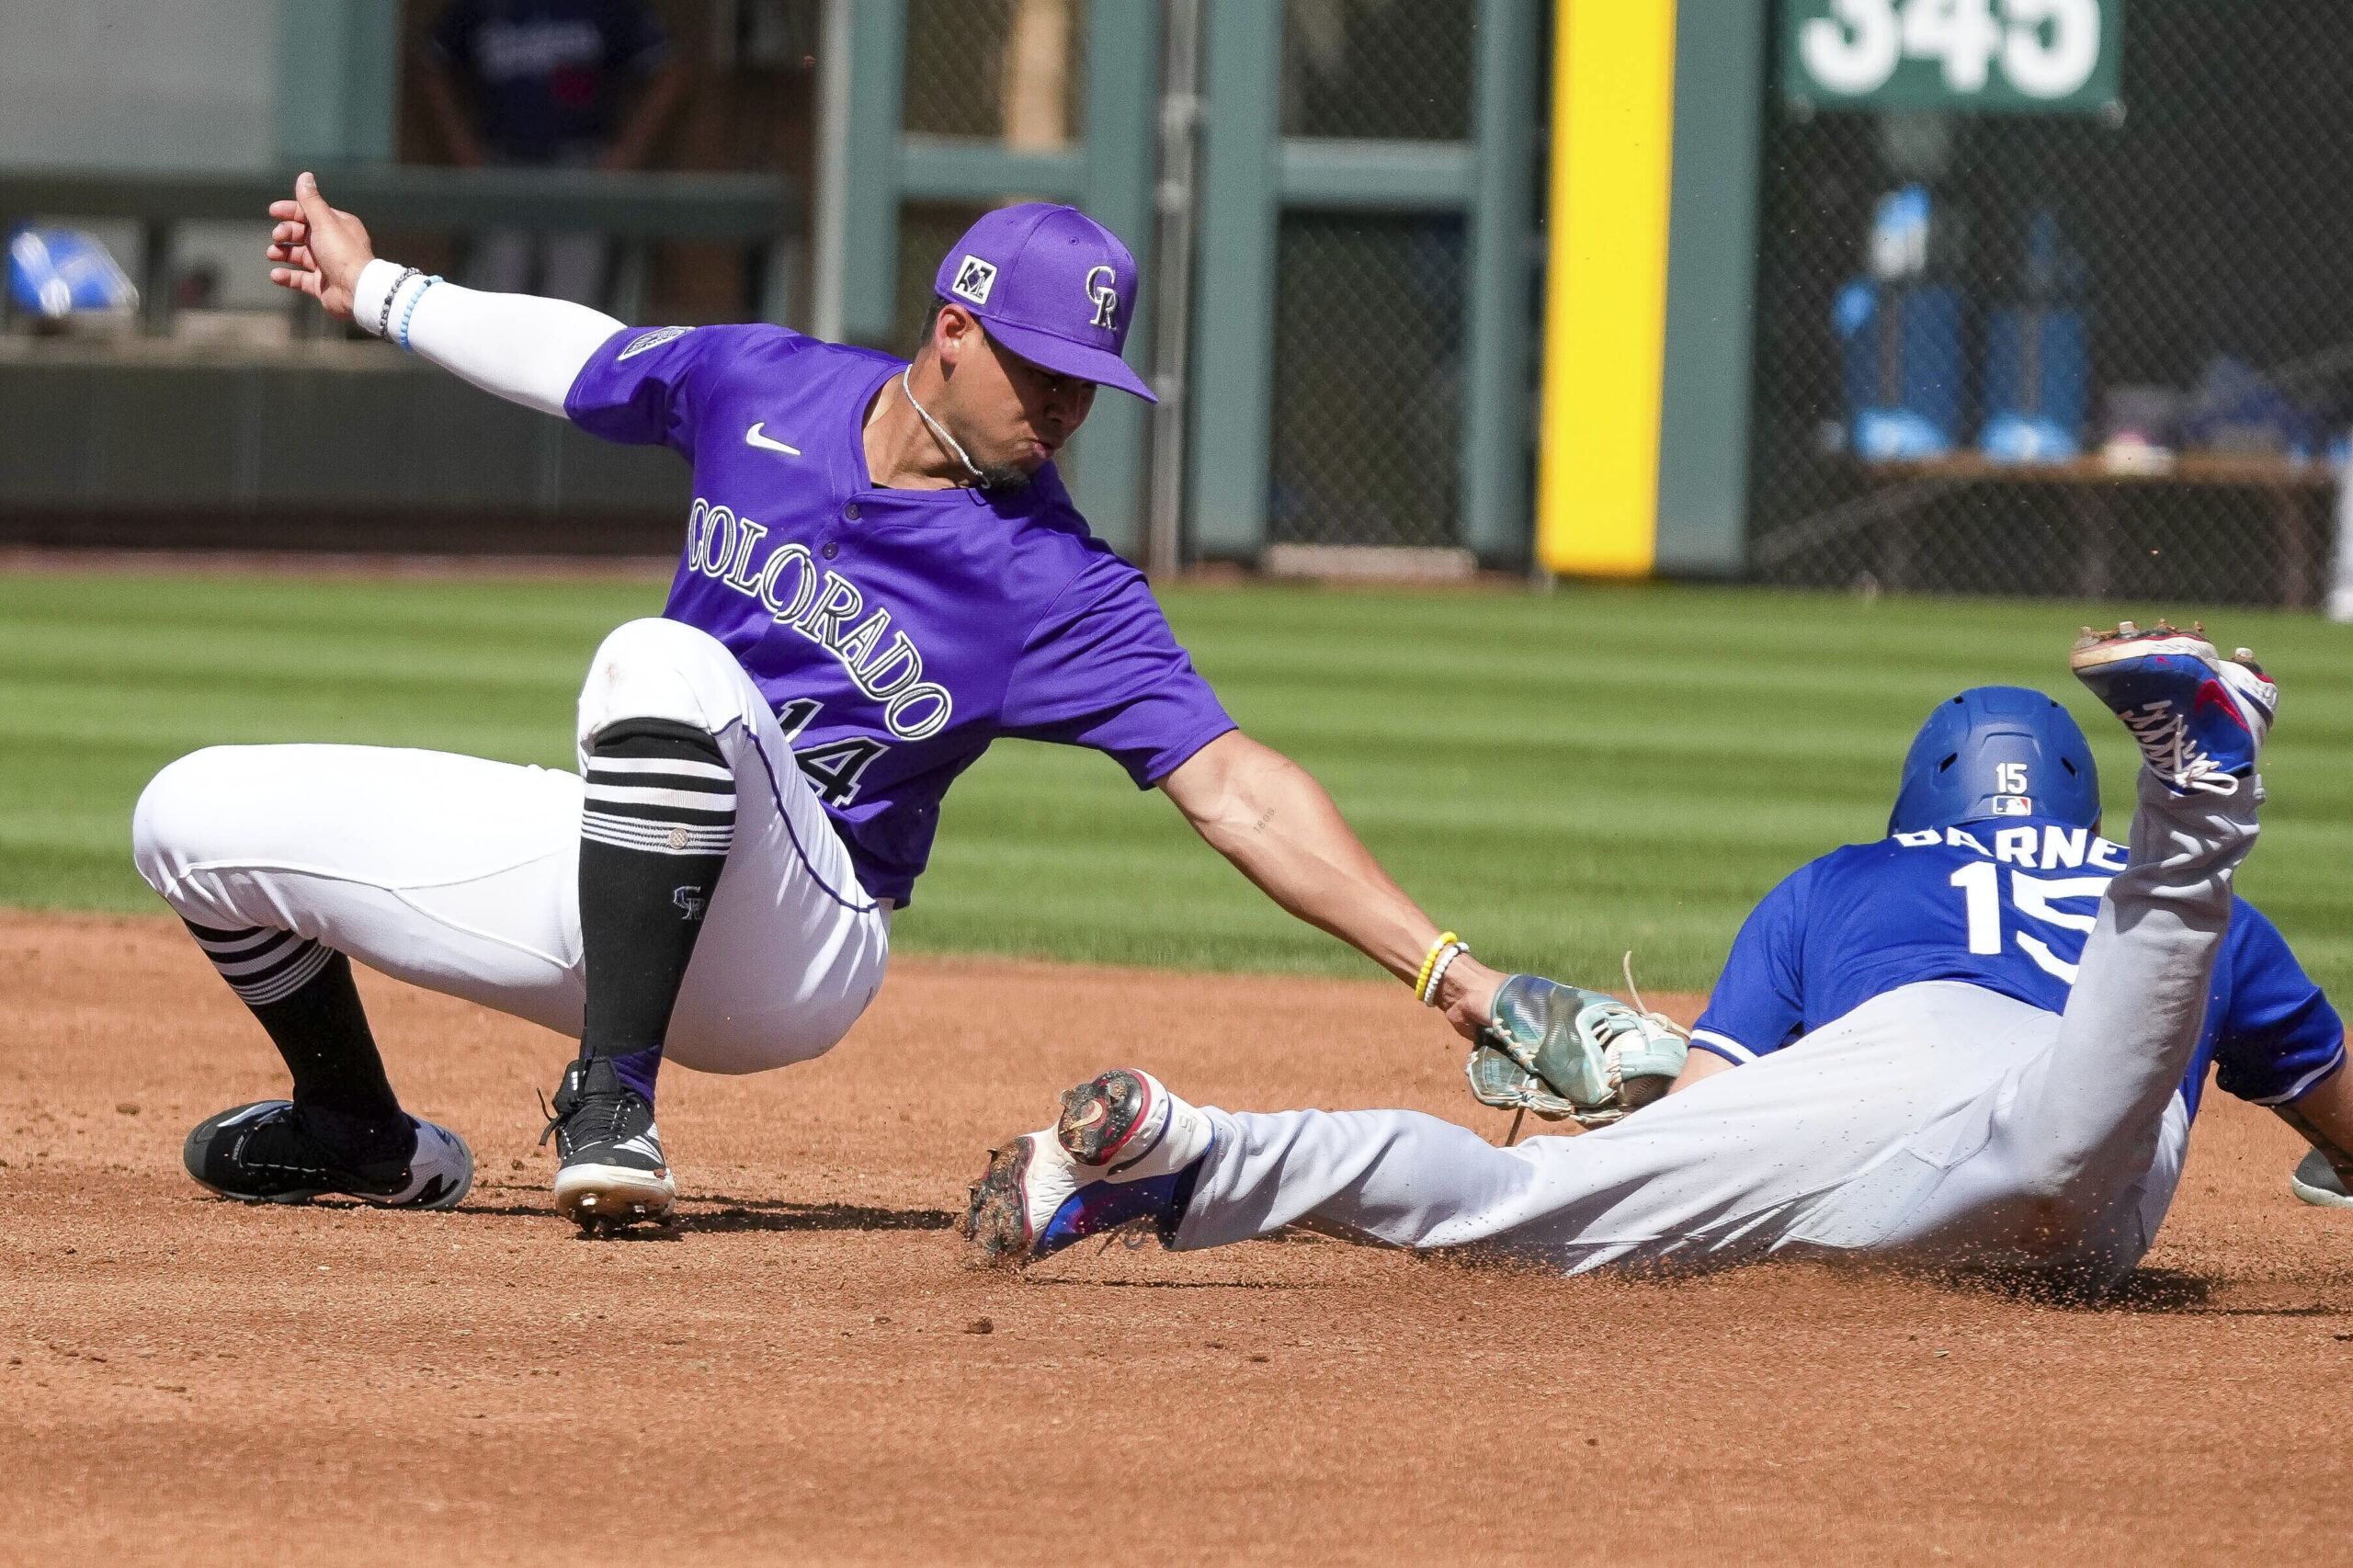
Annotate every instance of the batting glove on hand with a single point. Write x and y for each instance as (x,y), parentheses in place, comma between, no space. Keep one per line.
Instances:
(1567,1053)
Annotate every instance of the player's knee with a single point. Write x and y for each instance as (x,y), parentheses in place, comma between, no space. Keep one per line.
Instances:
(180,804)
(2055,1203)
(662,670)
(2046,1180)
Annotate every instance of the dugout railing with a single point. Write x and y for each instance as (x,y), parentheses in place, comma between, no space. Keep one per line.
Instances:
(637,209)
(321,441)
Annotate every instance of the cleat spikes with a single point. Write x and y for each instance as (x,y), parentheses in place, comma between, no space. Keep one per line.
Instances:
(2198,718)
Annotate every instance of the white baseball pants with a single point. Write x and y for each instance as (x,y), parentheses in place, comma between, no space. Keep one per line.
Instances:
(1938,1123)
(463,876)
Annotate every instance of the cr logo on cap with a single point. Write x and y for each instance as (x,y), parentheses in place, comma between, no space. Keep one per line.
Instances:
(1105,297)
(975,279)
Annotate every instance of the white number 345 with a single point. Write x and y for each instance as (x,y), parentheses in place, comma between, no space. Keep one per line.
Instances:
(2046,48)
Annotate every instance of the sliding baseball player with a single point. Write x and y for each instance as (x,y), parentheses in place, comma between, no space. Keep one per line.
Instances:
(1979,1041)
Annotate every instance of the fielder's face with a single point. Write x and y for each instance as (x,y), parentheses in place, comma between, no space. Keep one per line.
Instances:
(1011,416)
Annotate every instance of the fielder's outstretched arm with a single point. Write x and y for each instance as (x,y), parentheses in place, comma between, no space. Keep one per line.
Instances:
(1269,816)
(519,346)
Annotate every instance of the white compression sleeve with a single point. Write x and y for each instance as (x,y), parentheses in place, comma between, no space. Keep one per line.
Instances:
(526,349)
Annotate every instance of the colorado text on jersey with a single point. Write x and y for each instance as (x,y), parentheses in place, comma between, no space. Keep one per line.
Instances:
(720,546)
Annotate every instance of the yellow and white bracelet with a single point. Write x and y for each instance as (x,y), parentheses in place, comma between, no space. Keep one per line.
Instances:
(1442,954)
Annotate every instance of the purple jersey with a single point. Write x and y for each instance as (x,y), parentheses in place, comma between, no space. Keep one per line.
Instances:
(894,632)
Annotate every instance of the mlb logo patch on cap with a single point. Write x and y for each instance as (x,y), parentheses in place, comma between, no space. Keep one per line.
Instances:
(975,279)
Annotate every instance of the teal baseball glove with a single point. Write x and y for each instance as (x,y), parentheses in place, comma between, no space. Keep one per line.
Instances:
(1570,1054)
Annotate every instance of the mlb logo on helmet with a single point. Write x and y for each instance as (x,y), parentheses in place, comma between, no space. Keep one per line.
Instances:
(1996,751)
(1051,290)
(2010,779)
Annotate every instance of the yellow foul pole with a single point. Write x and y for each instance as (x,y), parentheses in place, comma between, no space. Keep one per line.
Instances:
(1604,306)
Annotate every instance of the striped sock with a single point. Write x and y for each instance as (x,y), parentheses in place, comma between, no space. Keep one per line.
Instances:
(654,833)
(302,994)
(261,965)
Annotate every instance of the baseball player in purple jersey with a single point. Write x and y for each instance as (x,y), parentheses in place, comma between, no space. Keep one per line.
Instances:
(881,573)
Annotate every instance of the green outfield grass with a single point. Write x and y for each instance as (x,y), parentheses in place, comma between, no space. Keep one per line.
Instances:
(1561,777)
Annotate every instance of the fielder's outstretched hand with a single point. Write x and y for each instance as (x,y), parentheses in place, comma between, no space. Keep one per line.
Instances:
(320,249)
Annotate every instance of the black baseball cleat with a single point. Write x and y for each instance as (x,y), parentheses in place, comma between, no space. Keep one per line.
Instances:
(612,1171)
(270,1152)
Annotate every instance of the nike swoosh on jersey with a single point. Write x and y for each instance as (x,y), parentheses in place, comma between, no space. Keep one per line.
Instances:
(753,437)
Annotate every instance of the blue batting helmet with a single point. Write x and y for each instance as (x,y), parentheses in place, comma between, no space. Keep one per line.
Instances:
(1996,751)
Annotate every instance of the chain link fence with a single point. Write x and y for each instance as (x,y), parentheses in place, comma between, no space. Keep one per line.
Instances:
(1011,71)
(1368,411)
(1369,314)
(925,231)
(2123,368)
(1369,328)
(1381,69)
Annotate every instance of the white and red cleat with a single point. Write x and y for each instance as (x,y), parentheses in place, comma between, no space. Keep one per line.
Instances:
(2200,719)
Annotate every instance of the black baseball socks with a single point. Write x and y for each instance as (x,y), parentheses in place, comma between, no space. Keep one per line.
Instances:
(653,838)
(302,991)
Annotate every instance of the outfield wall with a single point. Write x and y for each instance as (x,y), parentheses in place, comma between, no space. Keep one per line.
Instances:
(337,447)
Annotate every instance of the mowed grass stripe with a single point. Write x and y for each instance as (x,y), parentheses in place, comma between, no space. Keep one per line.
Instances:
(1560,776)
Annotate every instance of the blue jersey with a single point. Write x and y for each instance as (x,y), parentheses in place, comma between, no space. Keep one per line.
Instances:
(2006,905)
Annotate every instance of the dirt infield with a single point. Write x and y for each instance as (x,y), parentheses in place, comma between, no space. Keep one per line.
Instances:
(802,1373)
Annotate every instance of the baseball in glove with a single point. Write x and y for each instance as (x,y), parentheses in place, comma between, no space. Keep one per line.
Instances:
(1570,1054)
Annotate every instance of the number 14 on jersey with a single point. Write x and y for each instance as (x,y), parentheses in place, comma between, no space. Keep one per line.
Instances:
(836,767)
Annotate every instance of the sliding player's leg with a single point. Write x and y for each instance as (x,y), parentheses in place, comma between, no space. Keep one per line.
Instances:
(2078,1163)
(1732,1168)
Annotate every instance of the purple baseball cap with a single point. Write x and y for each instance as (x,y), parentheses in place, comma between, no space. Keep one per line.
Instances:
(1052,285)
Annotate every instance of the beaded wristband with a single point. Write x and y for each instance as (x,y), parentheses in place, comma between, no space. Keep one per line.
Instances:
(1422,976)
(384,316)
(1438,970)
(410,315)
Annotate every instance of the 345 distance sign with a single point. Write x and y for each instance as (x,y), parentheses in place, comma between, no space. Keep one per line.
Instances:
(1996,56)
